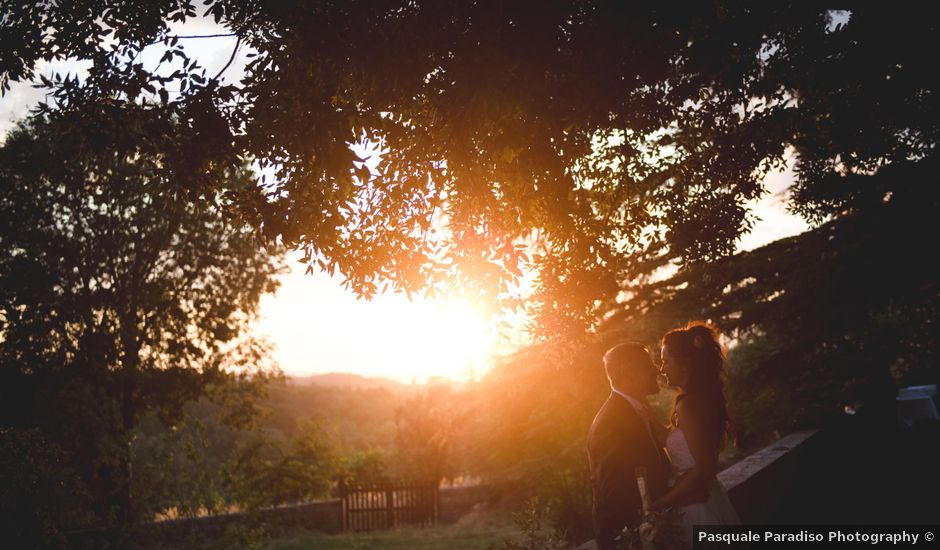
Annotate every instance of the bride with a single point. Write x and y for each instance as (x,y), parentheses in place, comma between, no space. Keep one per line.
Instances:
(693,361)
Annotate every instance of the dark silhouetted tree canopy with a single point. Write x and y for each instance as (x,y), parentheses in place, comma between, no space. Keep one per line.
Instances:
(117,296)
(604,134)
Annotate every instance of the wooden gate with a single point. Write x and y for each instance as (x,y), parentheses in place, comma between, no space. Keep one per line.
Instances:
(385,505)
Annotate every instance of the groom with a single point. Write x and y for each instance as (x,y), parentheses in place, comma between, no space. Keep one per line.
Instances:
(620,440)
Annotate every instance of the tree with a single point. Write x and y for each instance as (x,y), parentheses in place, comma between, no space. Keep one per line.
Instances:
(119,295)
(531,416)
(273,470)
(427,425)
(598,138)
(197,465)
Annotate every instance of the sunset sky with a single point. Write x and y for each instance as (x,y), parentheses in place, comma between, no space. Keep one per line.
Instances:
(316,326)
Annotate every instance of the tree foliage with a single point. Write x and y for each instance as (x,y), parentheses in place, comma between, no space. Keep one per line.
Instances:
(428,425)
(119,297)
(599,135)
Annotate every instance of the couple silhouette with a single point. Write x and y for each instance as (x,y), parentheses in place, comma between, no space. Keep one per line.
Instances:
(680,461)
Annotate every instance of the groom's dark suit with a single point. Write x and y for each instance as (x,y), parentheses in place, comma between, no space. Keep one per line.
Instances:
(618,443)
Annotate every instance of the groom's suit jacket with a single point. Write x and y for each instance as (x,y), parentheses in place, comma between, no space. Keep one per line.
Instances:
(619,442)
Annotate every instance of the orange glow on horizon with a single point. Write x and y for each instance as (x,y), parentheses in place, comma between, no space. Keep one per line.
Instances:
(318,327)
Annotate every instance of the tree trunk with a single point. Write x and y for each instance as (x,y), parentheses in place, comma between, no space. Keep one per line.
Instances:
(128,376)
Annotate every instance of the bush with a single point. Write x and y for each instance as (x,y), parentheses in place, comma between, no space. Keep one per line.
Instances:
(42,498)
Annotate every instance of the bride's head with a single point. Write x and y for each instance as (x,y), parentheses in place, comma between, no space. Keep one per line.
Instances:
(693,360)
(692,357)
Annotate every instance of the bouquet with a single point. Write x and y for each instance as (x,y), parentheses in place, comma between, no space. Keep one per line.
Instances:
(657,529)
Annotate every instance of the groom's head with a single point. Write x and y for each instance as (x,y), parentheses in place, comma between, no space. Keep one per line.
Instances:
(630,369)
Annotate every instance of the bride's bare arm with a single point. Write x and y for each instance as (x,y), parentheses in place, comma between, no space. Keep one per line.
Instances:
(693,486)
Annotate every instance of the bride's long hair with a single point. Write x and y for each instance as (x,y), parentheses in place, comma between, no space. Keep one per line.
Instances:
(698,346)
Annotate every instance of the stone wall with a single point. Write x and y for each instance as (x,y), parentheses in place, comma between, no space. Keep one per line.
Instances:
(765,483)
(321,516)
(860,468)
(325,516)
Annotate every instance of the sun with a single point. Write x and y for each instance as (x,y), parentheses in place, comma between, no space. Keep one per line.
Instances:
(454,341)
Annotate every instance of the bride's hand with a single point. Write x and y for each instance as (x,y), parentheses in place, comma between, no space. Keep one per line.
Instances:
(658,505)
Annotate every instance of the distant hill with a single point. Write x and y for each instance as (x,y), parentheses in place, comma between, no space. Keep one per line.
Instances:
(351,381)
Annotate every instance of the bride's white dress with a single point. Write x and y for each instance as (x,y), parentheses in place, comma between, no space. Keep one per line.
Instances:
(717,510)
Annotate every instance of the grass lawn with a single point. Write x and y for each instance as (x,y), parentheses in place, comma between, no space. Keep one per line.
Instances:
(451,537)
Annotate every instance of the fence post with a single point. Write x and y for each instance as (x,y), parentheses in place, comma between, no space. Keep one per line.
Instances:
(390,505)
(436,498)
(344,506)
